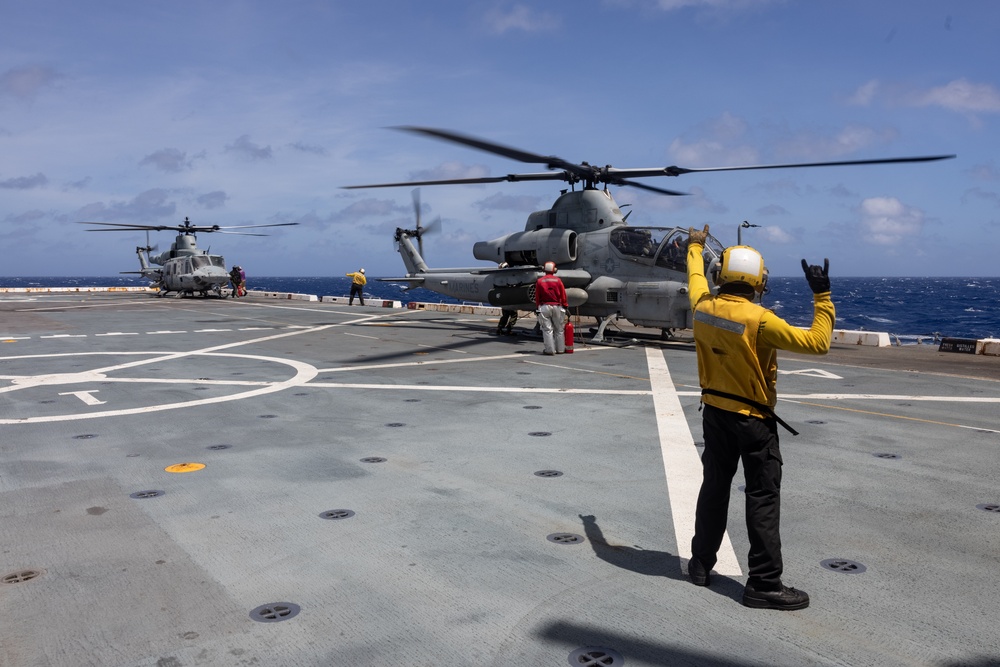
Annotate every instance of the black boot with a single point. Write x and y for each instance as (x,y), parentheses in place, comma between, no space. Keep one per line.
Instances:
(785,598)
(698,573)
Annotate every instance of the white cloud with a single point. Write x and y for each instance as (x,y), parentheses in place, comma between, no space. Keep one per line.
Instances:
(811,145)
(959,95)
(776,235)
(864,95)
(962,95)
(520,18)
(888,221)
(717,143)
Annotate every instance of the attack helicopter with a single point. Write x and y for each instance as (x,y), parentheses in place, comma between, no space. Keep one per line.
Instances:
(610,268)
(185,268)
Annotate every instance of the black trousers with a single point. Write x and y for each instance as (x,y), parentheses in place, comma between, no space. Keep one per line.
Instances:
(356,289)
(729,438)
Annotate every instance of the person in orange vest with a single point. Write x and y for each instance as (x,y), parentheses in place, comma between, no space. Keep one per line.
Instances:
(550,299)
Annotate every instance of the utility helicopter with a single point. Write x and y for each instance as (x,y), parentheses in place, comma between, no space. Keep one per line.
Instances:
(610,269)
(185,268)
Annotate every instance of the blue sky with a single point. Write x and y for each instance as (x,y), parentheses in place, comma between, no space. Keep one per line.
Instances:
(255,112)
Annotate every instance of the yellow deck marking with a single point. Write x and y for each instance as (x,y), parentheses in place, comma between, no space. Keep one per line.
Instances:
(185,467)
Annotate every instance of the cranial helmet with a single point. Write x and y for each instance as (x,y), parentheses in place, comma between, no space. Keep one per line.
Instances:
(361,270)
(742,264)
(550,267)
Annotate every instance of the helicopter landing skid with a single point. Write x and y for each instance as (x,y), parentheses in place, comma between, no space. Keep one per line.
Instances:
(604,322)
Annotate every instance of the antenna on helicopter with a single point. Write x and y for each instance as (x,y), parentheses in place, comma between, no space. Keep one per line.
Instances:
(739,231)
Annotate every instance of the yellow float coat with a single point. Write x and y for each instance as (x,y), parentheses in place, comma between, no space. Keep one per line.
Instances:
(737,341)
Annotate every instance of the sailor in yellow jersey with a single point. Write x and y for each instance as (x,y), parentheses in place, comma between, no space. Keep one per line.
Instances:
(358,281)
(737,342)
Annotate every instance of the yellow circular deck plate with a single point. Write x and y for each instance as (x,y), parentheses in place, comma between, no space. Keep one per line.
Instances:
(185,467)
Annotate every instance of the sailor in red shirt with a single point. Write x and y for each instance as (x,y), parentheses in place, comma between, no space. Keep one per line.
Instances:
(550,299)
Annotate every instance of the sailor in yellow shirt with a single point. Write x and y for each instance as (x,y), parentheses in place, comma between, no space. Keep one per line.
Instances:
(737,342)
(357,284)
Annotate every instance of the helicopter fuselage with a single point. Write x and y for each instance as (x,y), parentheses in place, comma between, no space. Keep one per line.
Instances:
(186,269)
(609,268)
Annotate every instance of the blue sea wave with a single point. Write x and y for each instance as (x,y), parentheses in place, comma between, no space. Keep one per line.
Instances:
(908,308)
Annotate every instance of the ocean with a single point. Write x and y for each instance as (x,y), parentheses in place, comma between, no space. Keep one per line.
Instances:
(911,309)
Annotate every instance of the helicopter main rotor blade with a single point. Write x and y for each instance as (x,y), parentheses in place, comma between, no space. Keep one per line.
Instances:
(490,147)
(591,175)
(643,186)
(509,178)
(677,171)
(276,224)
(124,227)
(185,229)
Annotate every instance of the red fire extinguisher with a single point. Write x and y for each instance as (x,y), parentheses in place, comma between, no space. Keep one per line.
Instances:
(569,337)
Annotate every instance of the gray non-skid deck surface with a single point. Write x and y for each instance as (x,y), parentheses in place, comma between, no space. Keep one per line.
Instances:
(447,560)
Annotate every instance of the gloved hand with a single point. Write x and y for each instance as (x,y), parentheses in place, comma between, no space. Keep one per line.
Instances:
(819,279)
(697,237)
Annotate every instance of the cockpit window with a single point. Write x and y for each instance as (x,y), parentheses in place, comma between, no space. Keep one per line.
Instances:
(200,261)
(673,254)
(637,241)
(218,260)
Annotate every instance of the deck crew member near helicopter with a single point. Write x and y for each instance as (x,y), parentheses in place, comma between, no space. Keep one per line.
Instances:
(736,341)
(237,278)
(358,281)
(551,301)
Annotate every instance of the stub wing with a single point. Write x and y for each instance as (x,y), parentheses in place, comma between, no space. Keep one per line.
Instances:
(411,282)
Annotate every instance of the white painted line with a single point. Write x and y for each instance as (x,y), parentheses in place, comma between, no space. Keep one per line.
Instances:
(65,336)
(360,336)
(887,397)
(154,333)
(85,396)
(118,333)
(496,390)
(681,463)
(15,337)
(812,372)
(210,330)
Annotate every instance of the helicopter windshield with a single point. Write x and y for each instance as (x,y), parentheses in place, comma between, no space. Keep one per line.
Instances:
(638,241)
(200,261)
(673,253)
(668,246)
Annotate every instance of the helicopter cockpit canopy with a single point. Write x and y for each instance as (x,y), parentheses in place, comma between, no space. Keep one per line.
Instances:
(199,261)
(666,247)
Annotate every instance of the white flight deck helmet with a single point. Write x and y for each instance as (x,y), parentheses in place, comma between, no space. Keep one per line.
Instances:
(550,267)
(361,270)
(741,264)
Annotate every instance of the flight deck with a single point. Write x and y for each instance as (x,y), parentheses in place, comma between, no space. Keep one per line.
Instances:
(273,482)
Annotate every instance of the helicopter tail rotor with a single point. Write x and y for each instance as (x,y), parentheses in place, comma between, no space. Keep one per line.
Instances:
(420,230)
